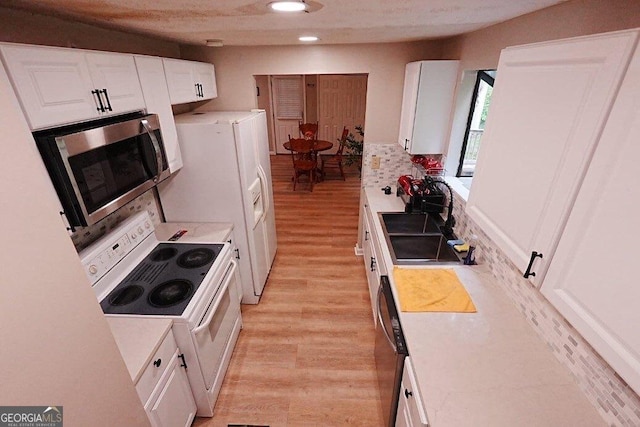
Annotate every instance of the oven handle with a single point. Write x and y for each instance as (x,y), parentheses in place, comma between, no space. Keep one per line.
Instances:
(156,147)
(223,288)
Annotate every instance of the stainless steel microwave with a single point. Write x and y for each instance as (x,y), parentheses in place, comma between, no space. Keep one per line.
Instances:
(97,167)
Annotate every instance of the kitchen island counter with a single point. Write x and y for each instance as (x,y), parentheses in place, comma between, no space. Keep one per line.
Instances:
(488,368)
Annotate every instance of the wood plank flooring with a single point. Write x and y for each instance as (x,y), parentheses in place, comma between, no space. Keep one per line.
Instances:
(305,355)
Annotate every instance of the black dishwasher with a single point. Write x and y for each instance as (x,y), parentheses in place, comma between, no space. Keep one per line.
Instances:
(390,351)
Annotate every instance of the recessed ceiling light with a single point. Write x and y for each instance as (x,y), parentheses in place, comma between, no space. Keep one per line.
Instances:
(214,42)
(308,39)
(288,6)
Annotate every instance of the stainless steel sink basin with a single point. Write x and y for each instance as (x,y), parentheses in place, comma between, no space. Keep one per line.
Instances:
(416,239)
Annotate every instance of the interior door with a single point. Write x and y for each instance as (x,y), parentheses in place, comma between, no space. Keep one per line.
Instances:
(288,106)
(342,102)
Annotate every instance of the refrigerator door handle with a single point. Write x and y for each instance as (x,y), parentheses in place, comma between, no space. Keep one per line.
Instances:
(262,176)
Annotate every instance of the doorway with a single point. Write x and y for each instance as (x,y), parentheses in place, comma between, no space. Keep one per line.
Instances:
(332,100)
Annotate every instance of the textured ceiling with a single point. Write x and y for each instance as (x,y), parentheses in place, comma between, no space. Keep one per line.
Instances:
(250,22)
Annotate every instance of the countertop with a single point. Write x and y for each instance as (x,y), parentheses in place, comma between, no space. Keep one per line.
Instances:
(197,232)
(138,339)
(488,368)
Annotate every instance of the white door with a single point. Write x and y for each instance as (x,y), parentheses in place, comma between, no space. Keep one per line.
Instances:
(342,101)
(156,97)
(54,85)
(288,108)
(549,106)
(116,75)
(592,279)
(205,75)
(180,81)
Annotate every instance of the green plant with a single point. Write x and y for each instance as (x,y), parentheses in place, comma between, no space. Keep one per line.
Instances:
(353,148)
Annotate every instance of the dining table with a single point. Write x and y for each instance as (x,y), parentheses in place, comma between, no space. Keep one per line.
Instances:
(318,146)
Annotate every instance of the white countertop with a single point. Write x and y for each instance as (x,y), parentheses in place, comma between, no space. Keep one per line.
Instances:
(197,232)
(488,368)
(138,339)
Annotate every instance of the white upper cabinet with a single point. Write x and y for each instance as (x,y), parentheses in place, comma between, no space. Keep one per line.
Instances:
(592,279)
(156,97)
(427,100)
(115,74)
(189,81)
(550,103)
(57,86)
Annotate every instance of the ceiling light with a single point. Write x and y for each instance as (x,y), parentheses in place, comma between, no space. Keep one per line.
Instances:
(214,43)
(308,39)
(288,6)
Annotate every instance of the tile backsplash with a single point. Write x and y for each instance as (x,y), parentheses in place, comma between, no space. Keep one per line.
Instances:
(87,235)
(617,403)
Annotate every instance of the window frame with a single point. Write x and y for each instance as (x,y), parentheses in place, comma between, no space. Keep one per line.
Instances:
(481,75)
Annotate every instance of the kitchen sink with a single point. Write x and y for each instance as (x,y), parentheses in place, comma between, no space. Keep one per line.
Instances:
(417,239)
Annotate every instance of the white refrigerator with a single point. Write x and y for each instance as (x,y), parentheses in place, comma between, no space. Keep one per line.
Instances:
(226,177)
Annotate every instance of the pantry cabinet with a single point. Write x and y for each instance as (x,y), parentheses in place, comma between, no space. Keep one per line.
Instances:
(189,81)
(550,104)
(57,86)
(373,262)
(592,279)
(427,100)
(156,97)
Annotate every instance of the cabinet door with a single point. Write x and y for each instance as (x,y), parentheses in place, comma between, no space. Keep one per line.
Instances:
(409,99)
(172,403)
(592,278)
(156,98)
(549,106)
(117,75)
(180,81)
(370,266)
(410,397)
(206,76)
(54,85)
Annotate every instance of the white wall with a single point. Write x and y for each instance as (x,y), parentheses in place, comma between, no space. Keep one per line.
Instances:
(384,63)
(55,345)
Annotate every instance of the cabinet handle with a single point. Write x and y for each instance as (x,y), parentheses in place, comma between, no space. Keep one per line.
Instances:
(157,363)
(406,143)
(184,364)
(528,273)
(372,266)
(407,393)
(106,97)
(366,235)
(96,92)
(197,91)
(229,241)
(237,253)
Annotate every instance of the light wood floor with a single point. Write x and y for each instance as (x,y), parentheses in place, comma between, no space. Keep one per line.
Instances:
(305,355)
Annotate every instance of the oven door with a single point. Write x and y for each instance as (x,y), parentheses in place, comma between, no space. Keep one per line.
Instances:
(212,334)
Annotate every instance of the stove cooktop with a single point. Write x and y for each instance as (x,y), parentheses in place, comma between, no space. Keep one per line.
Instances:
(164,282)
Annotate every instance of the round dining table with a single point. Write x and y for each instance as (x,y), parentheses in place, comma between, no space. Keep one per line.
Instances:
(318,145)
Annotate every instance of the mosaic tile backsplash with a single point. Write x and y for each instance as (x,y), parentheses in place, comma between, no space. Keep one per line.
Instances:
(618,404)
(86,235)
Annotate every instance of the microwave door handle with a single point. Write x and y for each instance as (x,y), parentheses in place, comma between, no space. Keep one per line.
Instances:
(156,147)
(381,323)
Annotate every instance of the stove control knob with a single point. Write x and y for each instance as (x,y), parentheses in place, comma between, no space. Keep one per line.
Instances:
(147,225)
(140,230)
(134,236)
(93,269)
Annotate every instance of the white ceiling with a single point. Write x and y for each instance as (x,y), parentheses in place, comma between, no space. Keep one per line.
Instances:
(250,22)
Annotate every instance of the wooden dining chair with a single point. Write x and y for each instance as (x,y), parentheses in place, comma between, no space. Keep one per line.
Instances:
(335,160)
(308,130)
(304,160)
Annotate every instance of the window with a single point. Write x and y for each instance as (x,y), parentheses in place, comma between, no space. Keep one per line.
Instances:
(475,124)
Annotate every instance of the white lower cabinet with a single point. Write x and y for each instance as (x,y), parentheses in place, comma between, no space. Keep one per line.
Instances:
(373,262)
(411,412)
(164,388)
